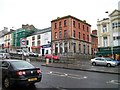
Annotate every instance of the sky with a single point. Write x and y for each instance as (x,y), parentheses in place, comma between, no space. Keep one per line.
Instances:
(40,13)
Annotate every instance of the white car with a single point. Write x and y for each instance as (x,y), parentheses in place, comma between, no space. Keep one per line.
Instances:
(103,61)
(20,51)
(4,55)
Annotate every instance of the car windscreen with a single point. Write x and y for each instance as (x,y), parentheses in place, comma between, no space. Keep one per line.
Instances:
(22,65)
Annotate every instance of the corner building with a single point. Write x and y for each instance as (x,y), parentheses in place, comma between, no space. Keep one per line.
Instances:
(71,36)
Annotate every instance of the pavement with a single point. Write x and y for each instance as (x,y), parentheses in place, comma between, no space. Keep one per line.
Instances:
(85,66)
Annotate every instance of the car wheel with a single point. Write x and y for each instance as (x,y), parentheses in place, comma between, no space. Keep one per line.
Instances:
(93,63)
(108,65)
(6,82)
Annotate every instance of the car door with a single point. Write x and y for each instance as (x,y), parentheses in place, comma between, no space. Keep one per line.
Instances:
(5,69)
(102,61)
(98,60)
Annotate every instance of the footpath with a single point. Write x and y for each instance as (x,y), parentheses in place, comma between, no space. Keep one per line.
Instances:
(84,66)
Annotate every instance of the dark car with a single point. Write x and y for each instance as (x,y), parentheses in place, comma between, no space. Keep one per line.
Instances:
(19,72)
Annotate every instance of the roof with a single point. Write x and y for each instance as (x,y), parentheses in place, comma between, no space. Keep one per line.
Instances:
(115,11)
(40,31)
(69,16)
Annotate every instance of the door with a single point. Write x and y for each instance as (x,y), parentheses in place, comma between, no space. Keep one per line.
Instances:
(43,52)
(102,61)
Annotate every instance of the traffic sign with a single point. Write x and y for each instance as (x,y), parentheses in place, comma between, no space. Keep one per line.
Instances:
(23,42)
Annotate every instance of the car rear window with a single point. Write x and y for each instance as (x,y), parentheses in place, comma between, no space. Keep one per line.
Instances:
(22,65)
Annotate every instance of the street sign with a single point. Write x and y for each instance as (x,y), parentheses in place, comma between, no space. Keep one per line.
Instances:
(23,42)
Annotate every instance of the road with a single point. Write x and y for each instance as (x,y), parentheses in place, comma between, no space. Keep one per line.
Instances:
(63,79)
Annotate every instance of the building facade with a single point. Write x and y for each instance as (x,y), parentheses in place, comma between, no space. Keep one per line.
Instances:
(94,41)
(71,36)
(8,41)
(109,35)
(40,41)
(20,33)
(1,42)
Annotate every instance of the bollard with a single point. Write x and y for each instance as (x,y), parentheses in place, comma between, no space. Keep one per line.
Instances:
(47,61)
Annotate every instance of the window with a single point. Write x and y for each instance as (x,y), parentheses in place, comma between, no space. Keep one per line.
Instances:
(73,33)
(73,23)
(38,37)
(118,37)
(105,41)
(104,28)
(87,37)
(55,25)
(27,42)
(55,35)
(88,49)
(79,48)
(33,38)
(60,25)
(79,35)
(84,49)
(38,43)
(83,27)
(65,47)
(65,33)
(5,64)
(61,48)
(22,64)
(46,51)
(79,25)
(113,25)
(83,36)
(118,24)
(60,34)
(33,43)
(64,23)
(74,47)
(87,29)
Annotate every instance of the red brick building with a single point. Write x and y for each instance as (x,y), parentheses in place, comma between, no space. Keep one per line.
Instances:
(94,41)
(71,35)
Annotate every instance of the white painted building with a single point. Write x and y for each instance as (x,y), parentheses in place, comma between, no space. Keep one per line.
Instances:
(40,41)
(1,42)
(109,35)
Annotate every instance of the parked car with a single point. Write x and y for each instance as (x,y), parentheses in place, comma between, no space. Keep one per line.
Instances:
(117,61)
(33,54)
(103,61)
(24,52)
(1,56)
(4,55)
(19,72)
(50,56)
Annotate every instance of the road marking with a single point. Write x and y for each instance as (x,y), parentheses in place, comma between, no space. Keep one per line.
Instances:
(114,82)
(67,75)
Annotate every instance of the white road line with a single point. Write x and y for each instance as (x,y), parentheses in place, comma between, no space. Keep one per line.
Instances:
(67,75)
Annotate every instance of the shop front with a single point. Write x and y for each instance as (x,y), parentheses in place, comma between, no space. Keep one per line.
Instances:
(109,52)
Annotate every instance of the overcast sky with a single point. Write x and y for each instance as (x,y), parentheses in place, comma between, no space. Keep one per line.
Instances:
(14,13)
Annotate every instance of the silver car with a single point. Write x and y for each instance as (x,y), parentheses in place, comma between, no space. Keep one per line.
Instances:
(103,61)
